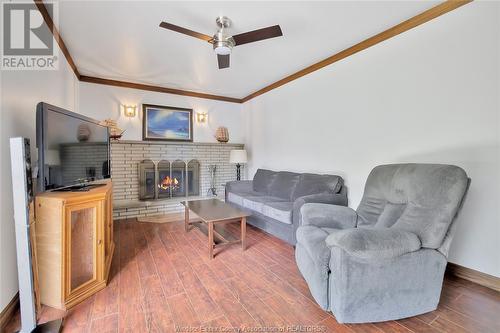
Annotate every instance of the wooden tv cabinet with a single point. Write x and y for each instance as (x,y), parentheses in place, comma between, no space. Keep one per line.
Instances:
(74,244)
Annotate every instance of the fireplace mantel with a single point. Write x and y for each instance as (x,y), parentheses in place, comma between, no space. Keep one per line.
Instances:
(178,143)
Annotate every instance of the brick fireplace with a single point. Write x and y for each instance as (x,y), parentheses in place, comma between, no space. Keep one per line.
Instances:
(140,169)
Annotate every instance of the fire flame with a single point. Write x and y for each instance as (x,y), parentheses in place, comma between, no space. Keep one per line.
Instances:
(168,182)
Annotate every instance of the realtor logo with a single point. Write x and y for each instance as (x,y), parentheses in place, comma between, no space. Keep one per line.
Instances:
(27,43)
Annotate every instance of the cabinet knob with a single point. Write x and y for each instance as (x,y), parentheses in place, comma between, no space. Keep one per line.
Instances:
(99,242)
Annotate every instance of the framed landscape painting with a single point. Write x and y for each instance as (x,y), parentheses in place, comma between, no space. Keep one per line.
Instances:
(167,123)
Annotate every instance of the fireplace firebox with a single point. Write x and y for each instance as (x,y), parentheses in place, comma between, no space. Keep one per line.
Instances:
(166,179)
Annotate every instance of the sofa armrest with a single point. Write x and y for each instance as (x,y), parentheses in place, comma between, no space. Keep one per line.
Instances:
(327,215)
(374,243)
(239,186)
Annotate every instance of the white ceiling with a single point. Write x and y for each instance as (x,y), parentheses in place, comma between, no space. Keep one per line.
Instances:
(121,39)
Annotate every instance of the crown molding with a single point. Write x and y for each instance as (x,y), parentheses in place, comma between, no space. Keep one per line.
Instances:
(411,23)
(404,26)
(50,24)
(125,84)
(83,78)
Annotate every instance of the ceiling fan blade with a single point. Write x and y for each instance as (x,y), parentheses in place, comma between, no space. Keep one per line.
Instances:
(256,35)
(223,61)
(185,31)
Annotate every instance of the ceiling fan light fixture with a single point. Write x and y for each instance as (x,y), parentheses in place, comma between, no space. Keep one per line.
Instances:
(222,44)
(222,48)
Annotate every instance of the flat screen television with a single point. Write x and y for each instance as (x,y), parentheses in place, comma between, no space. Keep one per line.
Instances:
(73,150)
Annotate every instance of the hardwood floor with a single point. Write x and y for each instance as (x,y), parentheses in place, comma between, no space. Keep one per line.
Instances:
(161,278)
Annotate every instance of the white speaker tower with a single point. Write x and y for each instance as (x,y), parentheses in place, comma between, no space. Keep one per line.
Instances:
(22,188)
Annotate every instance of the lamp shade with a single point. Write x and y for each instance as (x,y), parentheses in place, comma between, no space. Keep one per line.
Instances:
(238,156)
(52,157)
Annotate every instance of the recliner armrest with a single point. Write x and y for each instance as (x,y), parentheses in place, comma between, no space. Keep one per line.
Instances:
(327,215)
(374,243)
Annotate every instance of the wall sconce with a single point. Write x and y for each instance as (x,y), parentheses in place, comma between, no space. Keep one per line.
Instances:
(201,117)
(130,110)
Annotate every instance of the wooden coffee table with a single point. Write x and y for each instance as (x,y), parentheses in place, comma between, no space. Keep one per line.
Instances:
(213,212)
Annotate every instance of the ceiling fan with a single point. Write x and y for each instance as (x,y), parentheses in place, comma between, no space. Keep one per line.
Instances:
(223,42)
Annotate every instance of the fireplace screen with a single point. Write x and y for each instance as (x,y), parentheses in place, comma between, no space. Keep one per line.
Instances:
(147,180)
(165,183)
(168,179)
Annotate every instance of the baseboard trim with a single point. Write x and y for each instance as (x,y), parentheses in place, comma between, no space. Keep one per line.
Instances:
(472,275)
(9,312)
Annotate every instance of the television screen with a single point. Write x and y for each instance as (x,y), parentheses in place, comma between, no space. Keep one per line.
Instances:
(72,149)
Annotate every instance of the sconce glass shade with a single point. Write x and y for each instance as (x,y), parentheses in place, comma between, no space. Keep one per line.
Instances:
(201,117)
(129,110)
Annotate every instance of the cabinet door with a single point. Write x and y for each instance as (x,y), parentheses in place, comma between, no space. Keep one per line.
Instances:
(83,246)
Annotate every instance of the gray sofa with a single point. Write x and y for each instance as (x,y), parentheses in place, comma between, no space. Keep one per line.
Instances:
(275,198)
(386,260)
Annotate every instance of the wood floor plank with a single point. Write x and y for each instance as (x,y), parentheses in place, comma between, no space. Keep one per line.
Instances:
(428,317)
(416,325)
(131,308)
(447,326)
(264,315)
(107,300)
(470,324)
(234,311)
(143,254)
(151,232)
(331,325)
(391,327)
(262,258)
(479,308)
(167,240)
(293,315)
(220,324)
(172,285)
(183,314)
(364,328)
(107,324)
(79,317)
(252,276)
(205,307)
(157,311)
(296,281)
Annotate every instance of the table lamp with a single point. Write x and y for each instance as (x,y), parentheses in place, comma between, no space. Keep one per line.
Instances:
(238,157)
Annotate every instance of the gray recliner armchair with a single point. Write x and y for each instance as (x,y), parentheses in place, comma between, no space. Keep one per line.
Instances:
(386,260)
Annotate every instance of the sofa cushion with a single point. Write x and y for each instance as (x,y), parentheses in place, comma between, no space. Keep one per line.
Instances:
(256,203)
(284,184)
(262,180)
(311,184)
(280,211)
(238,196)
